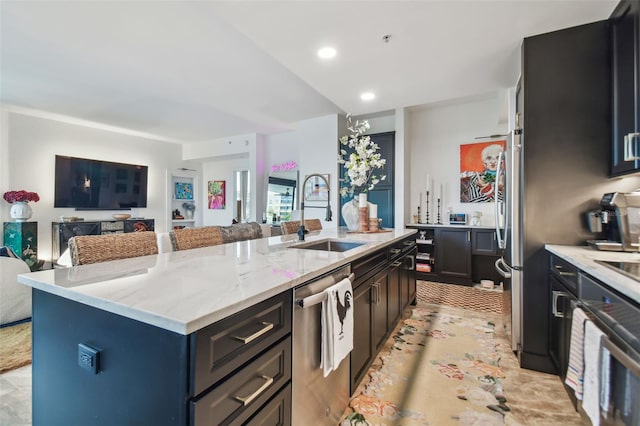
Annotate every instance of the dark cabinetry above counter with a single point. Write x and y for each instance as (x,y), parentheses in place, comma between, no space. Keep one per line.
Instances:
(625,67)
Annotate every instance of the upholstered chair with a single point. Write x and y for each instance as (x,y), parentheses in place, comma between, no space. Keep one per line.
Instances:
(190,238)
(292,226)
(15,298)
(85,249)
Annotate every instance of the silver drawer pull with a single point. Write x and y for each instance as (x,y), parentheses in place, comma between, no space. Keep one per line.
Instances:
(396,264)
(395,251)
(567,274)
(246,400)
(267,326)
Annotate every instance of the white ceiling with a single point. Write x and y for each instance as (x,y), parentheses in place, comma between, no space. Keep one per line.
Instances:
(190,71)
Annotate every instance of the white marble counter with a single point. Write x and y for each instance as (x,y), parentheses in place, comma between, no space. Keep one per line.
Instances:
(584,258)
(187,290)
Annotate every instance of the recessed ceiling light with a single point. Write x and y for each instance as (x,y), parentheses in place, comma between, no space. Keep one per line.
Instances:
(368,96)
(327,52)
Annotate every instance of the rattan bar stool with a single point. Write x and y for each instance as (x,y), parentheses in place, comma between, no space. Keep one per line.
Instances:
(85,249)
(190,238)
(292,226)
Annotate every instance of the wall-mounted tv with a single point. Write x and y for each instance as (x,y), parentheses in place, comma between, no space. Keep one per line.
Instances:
(99,185)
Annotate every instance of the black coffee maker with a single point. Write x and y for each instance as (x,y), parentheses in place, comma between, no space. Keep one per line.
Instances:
(619,219)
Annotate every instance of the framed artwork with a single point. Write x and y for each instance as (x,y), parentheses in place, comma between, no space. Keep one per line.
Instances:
(478,167)
(216,194)
(316,189)
(183,191)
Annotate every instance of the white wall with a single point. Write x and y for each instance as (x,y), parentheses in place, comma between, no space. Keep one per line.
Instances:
(221,169)
(435,135)
(220,158)
(318,153)
(29,146)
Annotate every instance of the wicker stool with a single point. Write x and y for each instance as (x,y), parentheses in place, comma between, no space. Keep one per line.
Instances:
(85,249)
(190,238)
(292,226)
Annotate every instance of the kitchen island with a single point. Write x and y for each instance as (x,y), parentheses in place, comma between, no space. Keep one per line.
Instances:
(145,340)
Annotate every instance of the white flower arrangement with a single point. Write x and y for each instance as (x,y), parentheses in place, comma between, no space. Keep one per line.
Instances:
(361,162)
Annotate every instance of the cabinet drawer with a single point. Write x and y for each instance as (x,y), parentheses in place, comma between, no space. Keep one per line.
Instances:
(235,400)
(222,347)
(565,272)
(277,412)
(367,267)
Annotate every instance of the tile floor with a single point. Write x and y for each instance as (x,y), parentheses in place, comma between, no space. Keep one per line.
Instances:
(15,397)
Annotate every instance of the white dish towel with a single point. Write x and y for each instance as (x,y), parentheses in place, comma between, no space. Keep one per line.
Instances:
(337,325)
(596,361)
(575,369)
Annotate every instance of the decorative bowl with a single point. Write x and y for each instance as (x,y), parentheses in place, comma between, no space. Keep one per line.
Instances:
(121,216)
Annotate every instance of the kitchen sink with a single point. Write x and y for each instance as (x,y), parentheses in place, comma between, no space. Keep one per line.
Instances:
(328,245)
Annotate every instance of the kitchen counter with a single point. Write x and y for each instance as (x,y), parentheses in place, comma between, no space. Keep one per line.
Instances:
(185,291)
(585,258)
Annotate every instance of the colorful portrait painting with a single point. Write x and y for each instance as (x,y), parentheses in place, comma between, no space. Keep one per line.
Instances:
(216,194)
(478,171)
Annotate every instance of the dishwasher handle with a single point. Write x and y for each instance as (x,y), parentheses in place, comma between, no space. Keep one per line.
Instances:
(314,299)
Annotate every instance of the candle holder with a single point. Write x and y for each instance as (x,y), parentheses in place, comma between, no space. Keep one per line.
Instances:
(439,221)
(427,221)
(419,215)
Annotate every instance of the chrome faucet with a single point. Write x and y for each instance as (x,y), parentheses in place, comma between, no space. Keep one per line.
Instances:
(301,230)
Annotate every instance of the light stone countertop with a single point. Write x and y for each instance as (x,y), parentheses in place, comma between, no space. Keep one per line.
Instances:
(584,258)
(187,290)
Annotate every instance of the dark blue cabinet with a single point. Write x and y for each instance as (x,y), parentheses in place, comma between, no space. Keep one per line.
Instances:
(383,193)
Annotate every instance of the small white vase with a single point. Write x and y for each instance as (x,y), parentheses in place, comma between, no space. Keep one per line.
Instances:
(20,211)
(350,211)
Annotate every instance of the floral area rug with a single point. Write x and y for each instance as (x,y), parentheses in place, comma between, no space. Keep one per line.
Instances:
(449,366)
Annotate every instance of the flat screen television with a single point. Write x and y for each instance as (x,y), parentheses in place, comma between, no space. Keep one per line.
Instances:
(99,185)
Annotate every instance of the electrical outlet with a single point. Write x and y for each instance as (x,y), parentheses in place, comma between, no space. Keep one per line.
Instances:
(88,358)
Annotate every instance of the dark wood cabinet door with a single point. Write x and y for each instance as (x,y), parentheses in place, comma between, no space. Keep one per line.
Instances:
(484,242)
(362,353)
(625,40)
(556,324)
(454,252)
(380,306)
(394,302)
(560,325)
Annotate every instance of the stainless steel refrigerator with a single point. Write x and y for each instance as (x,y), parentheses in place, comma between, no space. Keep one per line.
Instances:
(508,217)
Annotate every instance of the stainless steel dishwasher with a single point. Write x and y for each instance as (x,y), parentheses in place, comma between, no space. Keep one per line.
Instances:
(317,400)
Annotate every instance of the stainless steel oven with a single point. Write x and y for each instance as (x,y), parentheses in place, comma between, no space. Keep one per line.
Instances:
(619,318)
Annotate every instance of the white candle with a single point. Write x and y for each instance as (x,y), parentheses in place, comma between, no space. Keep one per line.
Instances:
(420,198)
(441,191)
(373,211)
(362,200)
(428,181)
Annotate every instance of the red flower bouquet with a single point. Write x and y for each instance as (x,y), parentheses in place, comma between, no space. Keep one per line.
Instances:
(21,196)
